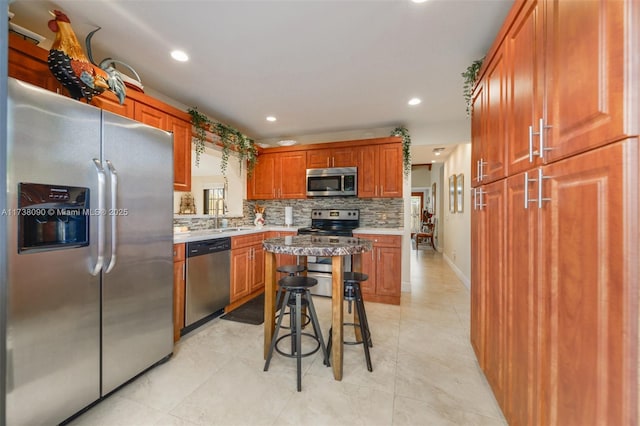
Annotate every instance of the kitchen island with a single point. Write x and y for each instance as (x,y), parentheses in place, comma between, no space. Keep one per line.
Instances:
(308,245)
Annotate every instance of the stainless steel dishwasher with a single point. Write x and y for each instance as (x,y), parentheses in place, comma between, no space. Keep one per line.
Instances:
(208,280)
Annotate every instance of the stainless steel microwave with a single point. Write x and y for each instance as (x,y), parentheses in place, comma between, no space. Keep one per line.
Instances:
(336,181)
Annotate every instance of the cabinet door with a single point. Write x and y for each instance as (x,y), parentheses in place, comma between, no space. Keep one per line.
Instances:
(319,158)
(262,184)
(178,298)
(344,157)
(478,136)
(495,323)
(240,273)
(257,255)
(368,287)
(524,45)
(181,153)
(478,289)
(588,60)
(150,116)
(521,290)
(390,170)
(292,170)
(22,65)
(367,172)
(388,274)
(590,288)
(495,110)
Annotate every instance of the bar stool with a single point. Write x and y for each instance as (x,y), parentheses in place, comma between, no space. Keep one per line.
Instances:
(292,270)
(353,293)
(297,295)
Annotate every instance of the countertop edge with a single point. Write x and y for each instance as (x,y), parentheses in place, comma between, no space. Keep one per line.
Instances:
(210,234)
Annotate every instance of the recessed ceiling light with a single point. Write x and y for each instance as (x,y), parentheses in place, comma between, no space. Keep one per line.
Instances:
(179,56)
(414,101)
(287,142)
(438,151)
(271,118)
(418,1)
(433,161)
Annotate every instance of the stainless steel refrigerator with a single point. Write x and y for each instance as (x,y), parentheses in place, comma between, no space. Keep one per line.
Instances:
(89,253)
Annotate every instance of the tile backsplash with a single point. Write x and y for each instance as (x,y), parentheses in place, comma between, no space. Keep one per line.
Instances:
(374,212)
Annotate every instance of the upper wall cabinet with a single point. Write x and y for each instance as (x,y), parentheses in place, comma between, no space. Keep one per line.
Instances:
(552,61)
(278,175)
(28,62)
(333,157)
(490,99)
(380,171)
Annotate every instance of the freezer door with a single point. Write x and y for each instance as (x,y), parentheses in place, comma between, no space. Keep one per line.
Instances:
(137,291)
(53,341)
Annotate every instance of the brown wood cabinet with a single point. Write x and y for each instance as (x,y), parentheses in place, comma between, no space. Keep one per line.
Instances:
(332,157)
(156,116)
(380,171)
(28,62)
(278,175)
(383,265)
(487,158)
(179,280)
(555,251)
(247,267)
(488,296)
(281,172)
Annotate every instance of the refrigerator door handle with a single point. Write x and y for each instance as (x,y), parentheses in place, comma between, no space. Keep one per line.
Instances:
(101,220)
(113,210)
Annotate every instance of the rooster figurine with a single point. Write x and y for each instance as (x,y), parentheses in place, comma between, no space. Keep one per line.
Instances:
(73,69)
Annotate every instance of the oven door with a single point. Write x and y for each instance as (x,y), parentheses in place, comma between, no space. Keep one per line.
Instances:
(320,269)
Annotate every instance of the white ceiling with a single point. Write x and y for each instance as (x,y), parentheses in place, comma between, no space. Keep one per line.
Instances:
(328,70)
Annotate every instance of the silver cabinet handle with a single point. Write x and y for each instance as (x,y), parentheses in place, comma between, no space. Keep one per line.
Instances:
(542,128)
(541,178)
(540,133)
(482,164)
(527,180)
(530,145)
(114,209)
(478,170)
(101,220)
(477,199)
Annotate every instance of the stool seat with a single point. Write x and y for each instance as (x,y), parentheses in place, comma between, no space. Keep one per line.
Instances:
(291,269)
(355,276)
(297,282)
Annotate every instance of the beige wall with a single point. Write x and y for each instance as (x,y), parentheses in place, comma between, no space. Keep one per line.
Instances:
(456,241)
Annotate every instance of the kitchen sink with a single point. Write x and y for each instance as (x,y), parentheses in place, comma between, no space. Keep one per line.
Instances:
(232,229)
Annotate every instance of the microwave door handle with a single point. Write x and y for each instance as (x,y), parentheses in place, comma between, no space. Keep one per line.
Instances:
(342,183)
(113,209)
(101,221)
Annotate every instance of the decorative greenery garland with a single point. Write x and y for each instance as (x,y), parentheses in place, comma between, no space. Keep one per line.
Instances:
(470,76)
(230,138)
(406,147)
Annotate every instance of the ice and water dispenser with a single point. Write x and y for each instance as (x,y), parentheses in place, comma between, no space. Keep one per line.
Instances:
(52,217)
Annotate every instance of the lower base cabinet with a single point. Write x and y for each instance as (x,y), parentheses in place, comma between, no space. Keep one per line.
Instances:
(554,292)
(247,267)
(383,265)
(179,280)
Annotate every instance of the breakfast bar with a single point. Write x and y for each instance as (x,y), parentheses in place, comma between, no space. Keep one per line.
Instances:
(309,245)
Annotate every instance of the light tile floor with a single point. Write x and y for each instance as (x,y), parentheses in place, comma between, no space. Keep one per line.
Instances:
(424,371)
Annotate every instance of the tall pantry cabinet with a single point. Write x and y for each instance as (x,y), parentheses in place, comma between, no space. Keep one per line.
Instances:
(555,252)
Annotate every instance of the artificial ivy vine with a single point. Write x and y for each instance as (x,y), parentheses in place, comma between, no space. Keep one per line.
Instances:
(470,75)
(231,139)
(406,147)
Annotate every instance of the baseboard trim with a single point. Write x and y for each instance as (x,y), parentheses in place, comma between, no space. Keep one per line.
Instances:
(465,280)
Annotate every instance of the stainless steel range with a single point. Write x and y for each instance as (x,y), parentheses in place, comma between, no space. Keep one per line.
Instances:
(329,222)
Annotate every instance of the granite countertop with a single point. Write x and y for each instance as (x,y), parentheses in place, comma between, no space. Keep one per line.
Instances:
(309,245)
(208,234)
